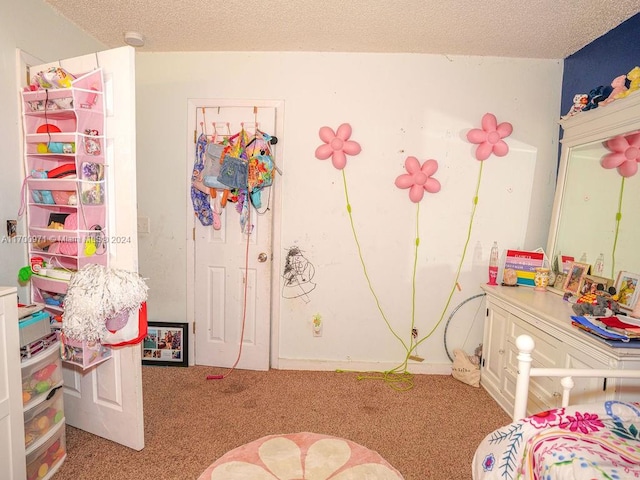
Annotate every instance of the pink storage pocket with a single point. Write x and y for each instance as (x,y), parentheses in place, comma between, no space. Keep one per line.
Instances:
(67,248)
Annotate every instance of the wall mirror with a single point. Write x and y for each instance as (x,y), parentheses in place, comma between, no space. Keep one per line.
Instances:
(588,196)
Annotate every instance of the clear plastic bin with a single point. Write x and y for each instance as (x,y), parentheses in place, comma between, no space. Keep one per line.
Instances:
(46,459)
(40,374)
(43,417)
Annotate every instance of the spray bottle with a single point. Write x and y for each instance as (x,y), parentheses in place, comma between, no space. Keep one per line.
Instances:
(493,265)
(599,265)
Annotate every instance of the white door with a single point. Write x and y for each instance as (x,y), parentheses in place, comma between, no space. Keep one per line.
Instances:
(107,400)
(232,270)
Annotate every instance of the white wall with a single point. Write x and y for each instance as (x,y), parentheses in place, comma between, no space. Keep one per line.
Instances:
(398,105)
(31,26)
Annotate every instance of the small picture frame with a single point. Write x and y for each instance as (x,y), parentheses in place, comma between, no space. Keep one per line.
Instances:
(590,283)
(559,282)
(166,344)
(627,289)
(575,276)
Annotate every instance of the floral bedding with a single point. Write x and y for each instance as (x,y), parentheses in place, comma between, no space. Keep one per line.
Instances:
(581,442)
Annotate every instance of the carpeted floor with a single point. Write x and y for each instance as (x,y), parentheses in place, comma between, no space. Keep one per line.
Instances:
(428,432)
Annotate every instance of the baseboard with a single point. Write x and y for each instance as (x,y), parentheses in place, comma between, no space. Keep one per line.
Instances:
(331,365)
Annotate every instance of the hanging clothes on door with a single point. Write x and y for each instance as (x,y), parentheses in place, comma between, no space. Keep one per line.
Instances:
(248,165)
(240,166)
(261,166)
(200,195)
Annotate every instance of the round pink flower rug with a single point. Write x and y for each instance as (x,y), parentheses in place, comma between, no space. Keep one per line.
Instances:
(301,456)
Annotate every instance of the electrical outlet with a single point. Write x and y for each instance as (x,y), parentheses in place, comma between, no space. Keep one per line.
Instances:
(414,332)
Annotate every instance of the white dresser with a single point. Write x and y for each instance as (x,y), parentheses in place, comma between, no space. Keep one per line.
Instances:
(12,450)
(545,316)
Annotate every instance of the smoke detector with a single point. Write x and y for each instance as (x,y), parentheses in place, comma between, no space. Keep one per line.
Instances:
(134,39)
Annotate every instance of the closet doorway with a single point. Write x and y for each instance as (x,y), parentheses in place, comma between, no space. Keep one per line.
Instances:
(231,275)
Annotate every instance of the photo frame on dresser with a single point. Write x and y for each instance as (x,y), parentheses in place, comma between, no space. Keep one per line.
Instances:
(590,283)
(577,272)
(558,284)
(627,289)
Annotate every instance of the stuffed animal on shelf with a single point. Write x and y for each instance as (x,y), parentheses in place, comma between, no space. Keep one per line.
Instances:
(579,102)
(597,95)
(601,303)
(619,85)
(634,82)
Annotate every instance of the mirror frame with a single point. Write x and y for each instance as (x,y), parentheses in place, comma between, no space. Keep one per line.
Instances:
(619,117)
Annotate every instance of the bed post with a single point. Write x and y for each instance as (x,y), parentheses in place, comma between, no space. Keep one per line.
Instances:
(525,345)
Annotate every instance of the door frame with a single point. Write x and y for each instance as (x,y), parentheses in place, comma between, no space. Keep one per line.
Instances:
(276,206)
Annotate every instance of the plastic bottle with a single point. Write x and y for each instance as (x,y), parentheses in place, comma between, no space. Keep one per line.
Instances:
(599,265)
(583,258)
(493,265)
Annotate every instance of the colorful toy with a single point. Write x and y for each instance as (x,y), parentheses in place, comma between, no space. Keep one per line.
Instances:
(56,147)
(45,373)
(41,424)
(634,82)
(579,102)
(490,136)
(600,303)
(48,128)
(53,77)
(24,274)
(619,85)
(597,95)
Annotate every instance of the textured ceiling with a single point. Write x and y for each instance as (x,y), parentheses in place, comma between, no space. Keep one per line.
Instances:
(506,28)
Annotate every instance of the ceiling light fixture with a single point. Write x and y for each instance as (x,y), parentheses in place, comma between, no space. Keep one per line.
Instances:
(134,39)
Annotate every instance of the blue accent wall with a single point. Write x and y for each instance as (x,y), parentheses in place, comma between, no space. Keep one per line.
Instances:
(613,54)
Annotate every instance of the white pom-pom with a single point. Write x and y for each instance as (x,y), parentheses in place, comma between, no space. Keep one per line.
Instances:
(97,293)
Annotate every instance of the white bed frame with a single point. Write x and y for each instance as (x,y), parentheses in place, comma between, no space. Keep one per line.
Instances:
(525,345)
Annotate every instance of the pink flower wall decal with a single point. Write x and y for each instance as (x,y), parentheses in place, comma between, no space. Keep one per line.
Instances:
(490,136)
(337,145)
(418,179)
(625,154)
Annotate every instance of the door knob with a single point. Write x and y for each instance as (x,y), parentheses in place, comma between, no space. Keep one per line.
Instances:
(262,257)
